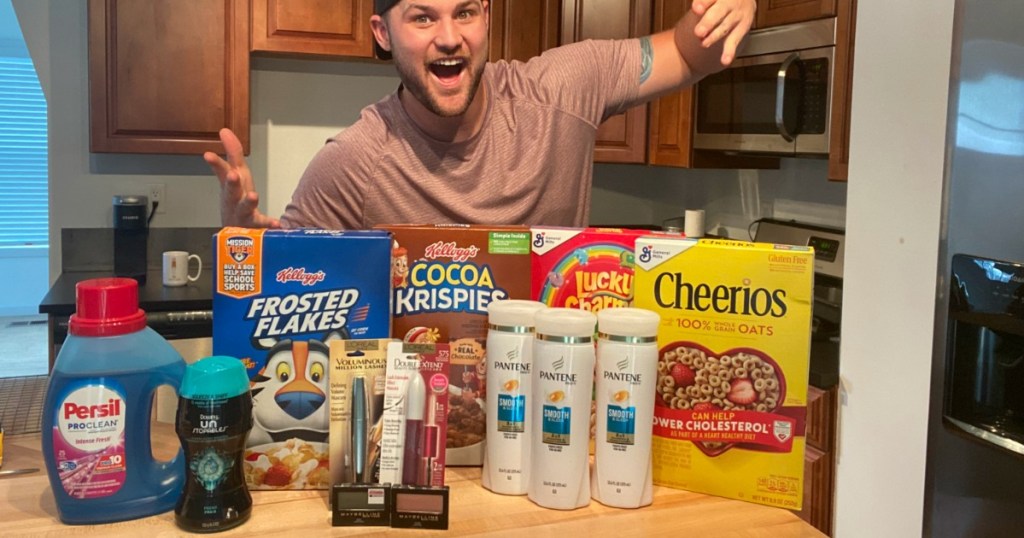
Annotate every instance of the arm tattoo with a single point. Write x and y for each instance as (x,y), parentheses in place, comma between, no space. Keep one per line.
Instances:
(646,58)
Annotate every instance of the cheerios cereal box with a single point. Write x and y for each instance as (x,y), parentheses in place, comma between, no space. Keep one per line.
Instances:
(280,297)
(585,268)
(444,277)
(734,349)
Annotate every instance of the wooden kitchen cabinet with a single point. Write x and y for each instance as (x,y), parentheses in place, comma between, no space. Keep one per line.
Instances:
(842,91)
(522,29)
(166,75)
(319,28)
(819,458)
(776,12)
(621,138)
(670,137)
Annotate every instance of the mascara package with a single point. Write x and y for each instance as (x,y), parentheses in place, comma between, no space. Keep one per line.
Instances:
(357,406)
(415,414)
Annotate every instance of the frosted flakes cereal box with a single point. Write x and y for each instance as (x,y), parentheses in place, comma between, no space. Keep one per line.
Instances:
(444,277)
(734,348)
(585,268)
(280,297)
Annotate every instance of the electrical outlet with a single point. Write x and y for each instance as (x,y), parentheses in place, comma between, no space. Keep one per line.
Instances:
(158,193)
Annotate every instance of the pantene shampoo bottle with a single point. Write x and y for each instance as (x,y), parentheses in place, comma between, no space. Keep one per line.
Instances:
(563,380)
(627,370)
(510,338)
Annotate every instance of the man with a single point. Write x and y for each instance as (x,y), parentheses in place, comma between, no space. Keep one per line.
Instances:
(465,141)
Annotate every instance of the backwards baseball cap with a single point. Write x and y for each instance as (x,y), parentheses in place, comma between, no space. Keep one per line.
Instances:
(381,7)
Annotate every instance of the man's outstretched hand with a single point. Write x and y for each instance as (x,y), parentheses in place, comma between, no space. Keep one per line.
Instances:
(238,196)
(723,22)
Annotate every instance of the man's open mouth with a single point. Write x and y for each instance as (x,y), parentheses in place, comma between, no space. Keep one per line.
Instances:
(448,70)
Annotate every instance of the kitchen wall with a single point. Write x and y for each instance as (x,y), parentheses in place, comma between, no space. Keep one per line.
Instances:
(897,157)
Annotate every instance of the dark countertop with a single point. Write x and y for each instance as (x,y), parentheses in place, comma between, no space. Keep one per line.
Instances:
(153,296)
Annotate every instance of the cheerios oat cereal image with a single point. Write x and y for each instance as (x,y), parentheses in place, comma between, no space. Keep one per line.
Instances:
(734,349)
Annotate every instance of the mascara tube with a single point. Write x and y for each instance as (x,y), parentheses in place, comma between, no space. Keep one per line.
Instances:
(360,424)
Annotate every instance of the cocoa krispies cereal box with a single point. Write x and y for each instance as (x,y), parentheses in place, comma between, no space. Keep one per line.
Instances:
(280,297)
(585,268)
(734,348)
(444,277)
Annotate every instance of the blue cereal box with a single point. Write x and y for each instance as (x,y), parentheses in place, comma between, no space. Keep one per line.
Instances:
(280,297)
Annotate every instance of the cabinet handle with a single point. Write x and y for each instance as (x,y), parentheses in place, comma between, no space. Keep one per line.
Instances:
(780,94)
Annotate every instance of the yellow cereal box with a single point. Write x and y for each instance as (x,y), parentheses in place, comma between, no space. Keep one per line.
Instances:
(734,348)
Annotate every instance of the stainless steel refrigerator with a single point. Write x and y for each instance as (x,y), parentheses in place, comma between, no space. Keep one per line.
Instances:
(975,466)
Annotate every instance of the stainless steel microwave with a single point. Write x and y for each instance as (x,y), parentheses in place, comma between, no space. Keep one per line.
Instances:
(776,96)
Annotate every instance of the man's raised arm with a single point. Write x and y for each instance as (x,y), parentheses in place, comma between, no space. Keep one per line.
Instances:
(704,41)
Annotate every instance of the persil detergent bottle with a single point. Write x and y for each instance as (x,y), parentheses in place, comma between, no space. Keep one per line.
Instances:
(96,416)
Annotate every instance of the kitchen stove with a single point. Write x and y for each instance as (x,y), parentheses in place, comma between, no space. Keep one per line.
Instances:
(829,247)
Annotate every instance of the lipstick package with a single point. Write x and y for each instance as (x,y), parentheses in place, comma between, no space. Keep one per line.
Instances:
(357,379)
(415,411)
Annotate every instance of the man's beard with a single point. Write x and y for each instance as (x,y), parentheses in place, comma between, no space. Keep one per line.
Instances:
(417,86)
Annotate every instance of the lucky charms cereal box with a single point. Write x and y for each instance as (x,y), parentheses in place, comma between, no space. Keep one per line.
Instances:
(589,268)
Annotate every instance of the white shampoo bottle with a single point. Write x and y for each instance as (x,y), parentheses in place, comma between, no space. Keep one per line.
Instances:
(563,381)
(510,338)
(627,373)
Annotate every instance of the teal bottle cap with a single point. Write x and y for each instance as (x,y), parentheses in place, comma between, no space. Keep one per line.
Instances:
(213,378)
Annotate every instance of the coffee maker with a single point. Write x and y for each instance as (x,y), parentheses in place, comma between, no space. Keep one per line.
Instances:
(131,232)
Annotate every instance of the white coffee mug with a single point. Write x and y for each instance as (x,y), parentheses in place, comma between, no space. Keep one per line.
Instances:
(176,268)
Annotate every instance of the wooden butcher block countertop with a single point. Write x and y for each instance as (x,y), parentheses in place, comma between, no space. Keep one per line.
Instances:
(27,508)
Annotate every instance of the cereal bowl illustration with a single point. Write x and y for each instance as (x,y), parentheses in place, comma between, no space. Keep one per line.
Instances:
(691,377)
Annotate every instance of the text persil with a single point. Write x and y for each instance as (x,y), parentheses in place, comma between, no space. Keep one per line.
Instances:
(110,409)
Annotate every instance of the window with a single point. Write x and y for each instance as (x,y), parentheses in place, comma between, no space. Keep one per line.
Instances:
(23,151)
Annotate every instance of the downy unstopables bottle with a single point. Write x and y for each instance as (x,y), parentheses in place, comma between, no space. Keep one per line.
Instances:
(214,418)
(96,415)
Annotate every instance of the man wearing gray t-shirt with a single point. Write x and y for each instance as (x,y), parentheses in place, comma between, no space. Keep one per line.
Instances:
(466,141)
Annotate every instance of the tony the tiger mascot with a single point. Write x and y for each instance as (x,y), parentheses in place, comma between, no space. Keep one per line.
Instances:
(289,395)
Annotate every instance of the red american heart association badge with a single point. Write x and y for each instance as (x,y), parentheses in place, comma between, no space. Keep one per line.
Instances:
(720,400)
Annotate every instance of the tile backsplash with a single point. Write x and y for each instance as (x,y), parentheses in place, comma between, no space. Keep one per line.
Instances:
(92,249)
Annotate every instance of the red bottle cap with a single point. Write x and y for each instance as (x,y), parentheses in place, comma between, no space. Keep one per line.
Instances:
(107,307)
